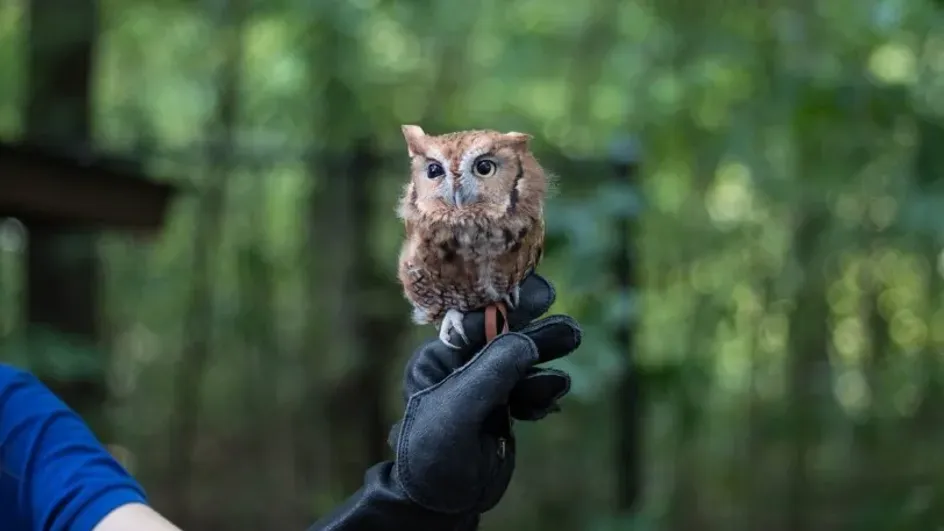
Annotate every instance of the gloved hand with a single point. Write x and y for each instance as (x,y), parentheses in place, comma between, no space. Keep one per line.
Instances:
(537,394)
(455,452)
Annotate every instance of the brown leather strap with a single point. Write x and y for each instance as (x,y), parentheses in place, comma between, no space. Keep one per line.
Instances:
(491,320)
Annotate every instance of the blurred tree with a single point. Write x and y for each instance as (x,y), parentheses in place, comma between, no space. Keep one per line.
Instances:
(207,229)
(62,265)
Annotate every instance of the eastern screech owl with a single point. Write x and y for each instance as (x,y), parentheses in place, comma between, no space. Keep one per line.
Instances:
(474,216)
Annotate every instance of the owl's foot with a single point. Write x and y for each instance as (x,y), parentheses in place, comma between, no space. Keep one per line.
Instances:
(512,299)
(452,321)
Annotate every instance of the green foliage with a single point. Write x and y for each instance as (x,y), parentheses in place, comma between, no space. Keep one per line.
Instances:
(788,164)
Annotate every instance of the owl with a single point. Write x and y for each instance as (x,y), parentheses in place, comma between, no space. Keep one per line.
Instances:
(474,216)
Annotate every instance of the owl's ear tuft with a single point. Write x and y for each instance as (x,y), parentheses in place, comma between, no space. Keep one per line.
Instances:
(516,139)
(414,135)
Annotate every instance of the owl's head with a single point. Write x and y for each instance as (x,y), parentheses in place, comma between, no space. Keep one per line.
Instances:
(476,171)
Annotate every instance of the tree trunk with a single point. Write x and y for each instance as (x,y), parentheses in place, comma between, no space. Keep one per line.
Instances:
(753,464)
(685,512)
(198,315)
(808,364)
(63,285)
(355,327)
(328,254)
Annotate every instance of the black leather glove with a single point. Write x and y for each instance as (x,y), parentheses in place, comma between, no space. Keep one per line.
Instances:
(538,392)
(455,452)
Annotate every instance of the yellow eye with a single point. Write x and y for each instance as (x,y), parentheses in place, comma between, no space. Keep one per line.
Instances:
(484,168)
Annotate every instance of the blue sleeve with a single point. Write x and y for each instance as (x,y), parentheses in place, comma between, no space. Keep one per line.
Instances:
(56,476)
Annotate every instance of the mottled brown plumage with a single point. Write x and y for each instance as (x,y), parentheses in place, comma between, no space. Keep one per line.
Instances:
(474,216)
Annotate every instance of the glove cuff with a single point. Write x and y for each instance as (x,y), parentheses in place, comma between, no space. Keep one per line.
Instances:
(382,504)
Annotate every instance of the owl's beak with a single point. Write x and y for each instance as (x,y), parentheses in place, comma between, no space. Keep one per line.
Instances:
(457,195)
(453,198)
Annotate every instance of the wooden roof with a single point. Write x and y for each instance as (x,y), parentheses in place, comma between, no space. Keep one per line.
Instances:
(37,184)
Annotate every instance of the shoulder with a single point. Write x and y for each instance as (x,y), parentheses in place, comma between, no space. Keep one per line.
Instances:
(28,408)
(14,379)
(23,398)
(64,477)
(12,372)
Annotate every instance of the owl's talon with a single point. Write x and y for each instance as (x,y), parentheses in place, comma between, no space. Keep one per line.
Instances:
(445,339)
(513,298)
(452,321)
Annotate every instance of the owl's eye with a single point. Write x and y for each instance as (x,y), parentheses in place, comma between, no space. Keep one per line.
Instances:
(435,170)
(484,168)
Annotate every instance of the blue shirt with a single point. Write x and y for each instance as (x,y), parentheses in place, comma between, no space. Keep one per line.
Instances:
(54,474)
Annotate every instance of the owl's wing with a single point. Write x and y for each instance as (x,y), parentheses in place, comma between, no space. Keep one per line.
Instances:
(536,252)
(532,250)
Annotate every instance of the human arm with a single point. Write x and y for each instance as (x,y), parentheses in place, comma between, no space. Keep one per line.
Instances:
(54,474)
(455,450)
(137,517)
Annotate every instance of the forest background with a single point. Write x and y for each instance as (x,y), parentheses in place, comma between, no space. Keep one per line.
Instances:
(748,224)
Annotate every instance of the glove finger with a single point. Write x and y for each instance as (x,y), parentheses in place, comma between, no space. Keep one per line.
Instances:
(536,396)
(537,296)
(487,380)
(554,336)
(429,365)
